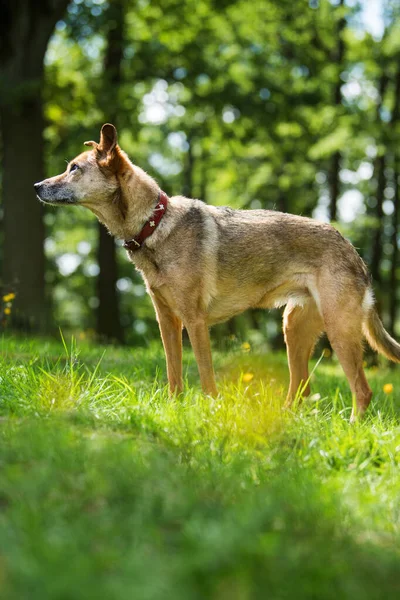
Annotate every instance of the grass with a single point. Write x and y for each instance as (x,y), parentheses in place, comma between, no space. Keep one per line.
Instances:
(110,489)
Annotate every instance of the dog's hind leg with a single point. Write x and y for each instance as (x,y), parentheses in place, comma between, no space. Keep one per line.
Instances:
(343,324)
(348,346)
(171,335)
(302,325)
(200,339)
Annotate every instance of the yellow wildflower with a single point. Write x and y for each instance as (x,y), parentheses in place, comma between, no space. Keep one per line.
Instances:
(8,297)
(388,388)
(327,353)
(247,377)
(7,311)
(246,346)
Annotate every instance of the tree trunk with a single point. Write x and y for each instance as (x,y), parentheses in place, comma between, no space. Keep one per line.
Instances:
(377,243)
(395,250)
(333,176)
(283,202)
(396,212)
(108,313)
(379,172)
(108,318)
(23,251)
(25,29)
(334,186)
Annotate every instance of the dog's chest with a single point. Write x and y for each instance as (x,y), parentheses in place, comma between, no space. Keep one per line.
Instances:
(148,268)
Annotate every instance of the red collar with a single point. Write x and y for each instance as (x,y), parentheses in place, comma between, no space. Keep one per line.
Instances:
(150,225)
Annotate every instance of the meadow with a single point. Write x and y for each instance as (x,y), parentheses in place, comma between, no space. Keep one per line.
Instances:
(111,489)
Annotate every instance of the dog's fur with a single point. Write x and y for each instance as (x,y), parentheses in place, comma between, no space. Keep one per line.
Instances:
(204,264)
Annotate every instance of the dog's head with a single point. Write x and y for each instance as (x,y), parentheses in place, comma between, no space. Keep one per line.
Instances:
(92,178)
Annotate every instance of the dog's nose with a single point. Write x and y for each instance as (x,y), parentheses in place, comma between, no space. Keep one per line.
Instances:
(38,188)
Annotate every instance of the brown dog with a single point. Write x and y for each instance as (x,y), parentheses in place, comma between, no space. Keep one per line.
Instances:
(204,264)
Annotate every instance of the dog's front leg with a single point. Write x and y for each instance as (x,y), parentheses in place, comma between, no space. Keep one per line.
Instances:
(171,335)
(200,340)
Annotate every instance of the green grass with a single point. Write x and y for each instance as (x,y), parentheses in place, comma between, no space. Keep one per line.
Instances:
(110,489)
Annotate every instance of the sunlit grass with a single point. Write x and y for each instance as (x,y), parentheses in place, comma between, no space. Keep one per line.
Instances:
(192,496)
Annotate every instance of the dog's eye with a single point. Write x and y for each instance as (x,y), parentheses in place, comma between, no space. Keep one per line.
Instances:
(74,167)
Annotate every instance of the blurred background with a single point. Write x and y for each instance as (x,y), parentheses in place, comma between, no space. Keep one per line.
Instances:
(290,105)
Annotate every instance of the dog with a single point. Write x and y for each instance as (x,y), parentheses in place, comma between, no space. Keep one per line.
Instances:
(204,264)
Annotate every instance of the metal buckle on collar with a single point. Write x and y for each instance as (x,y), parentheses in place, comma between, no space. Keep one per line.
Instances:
(129,242)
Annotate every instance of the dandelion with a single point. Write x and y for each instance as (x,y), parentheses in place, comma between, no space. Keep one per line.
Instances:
(7,311)
(246,346)
(388,388)
(247,377)
(9,297)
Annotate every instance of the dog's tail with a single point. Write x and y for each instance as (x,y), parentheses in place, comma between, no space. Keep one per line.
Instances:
(377,336)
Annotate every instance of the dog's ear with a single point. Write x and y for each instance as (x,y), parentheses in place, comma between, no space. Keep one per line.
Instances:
(111,160)
(93,144)
(108,139)
(108,154)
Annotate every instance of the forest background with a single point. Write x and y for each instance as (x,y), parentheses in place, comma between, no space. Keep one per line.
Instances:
(291,105)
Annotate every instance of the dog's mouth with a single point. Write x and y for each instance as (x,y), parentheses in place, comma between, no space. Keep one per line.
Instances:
(56,202)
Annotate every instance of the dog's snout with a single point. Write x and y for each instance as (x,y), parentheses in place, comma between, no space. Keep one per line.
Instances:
(37,186)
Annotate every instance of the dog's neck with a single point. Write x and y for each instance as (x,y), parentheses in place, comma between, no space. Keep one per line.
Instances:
(133,203)
(139,196)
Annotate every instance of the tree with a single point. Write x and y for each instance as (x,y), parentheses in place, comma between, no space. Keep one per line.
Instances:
(25,29)
(379,172)
(337,101)
(396,203)
(108,315)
